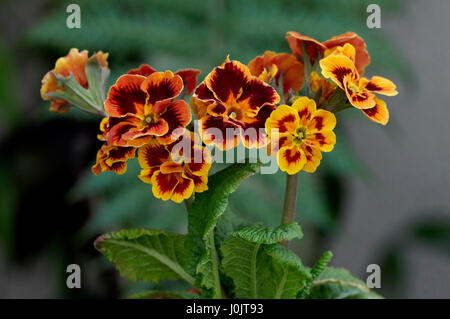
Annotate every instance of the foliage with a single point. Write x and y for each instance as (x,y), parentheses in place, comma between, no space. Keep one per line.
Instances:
(241,262)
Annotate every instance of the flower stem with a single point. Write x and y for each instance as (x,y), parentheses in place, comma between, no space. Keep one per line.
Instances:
(290,201)
(188,202)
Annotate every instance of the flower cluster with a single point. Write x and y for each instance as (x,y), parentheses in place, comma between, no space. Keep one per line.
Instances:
(284,103)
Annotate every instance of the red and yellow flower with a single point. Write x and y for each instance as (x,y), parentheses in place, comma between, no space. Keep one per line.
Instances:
(113,158)
(232,98)
(299,133)
(73,63)
(271,66)
(313,47)
(175,175)
(360,91)
(142,107)
(189,76)
(362,57)
(316,49)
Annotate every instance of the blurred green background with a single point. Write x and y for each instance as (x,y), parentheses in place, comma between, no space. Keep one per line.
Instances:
(53,207)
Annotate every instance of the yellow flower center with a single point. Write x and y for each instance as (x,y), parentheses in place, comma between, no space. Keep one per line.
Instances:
(148,119)
(235,113)
(299,135)
(354,87)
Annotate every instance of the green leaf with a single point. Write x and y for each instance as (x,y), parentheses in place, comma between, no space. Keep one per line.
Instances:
(262,271)
(338,283)
(318,268)
(270,235)
(203,215)
(147,255)
(226,225)
(164,294)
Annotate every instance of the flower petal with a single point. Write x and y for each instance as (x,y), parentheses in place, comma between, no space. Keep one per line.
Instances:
(143,69)
(291,159)
(146,174)
(305,108)
(279,141)
(322,120)
(285,119)
(152,154)
(293,75)
(288,66)
(204,102)
(337,67)
(324,140)
(113,158)
(74,62)
(162,86)
(227,80)
(197,167)
(362,58)
(164,184)
(217,131)
(254,134)
(176,115)
(183,190)
(156,128)
(125,97)
(117,127)
(200,182)
(362,100)
(379,113)
(313,47)
(255,94)
(170,167)
(189,77)
(382,85)
(313,157)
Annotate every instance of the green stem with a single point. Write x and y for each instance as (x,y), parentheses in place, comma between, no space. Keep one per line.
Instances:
(188,202)
(290,201)
(215,265)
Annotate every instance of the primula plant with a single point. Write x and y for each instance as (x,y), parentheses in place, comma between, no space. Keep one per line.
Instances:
(280,107)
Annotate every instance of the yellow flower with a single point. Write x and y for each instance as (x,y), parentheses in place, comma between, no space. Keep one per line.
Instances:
(340,67)
(299,133)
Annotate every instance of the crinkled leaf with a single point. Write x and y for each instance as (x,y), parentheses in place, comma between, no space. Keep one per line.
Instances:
(262,271)
(147,255)
(318,268)
(270,235)
(338,283)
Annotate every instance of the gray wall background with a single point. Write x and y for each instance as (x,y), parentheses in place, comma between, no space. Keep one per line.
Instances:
(410,159)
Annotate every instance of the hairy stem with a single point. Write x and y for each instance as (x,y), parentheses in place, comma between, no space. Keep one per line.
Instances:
(188,202)
(290,201)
